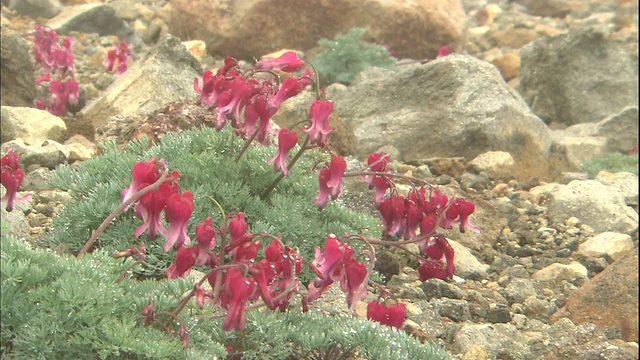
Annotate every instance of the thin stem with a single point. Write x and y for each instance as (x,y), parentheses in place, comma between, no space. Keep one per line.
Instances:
(290,165)
(247,144)
(121,276)
(116,212)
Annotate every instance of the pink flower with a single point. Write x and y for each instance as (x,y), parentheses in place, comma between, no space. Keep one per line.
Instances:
(336,265)
(287,62)
(177,213)
(330,181)
(182,266)
(286,141)
(443,51)
(319,129)
(274,274)
(11,178)
(439,263)
(144,173)
(121,54)
(377,162)
(393,315)
(237,290)
(459,213)
(149,207)
(392,210)
(240,246)
(206,238)
(290,87)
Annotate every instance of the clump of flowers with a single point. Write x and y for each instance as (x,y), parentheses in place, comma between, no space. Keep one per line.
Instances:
(247,270)
(118,54)
(55,59)
(11,177)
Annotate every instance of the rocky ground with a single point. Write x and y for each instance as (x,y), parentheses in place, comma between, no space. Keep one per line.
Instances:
(554,273)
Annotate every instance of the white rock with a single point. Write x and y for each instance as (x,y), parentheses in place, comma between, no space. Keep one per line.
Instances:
(611,245)
(32,125)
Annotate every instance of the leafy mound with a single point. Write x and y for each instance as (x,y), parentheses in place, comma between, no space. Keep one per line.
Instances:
(347,55)
(614,162)
(206,165)
(56,307)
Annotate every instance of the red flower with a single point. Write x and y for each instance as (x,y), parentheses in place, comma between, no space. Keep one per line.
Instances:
(392,210)
(330,181)
(182,266)
(443,51)
(144,173)
(336,265)
(378,163)
(287,62)
(439,263)
(149,208)
(206,237)
(240,246)
(286,141)
(274,274)
(393,315)
(290,87)
(11,178)
(319,129)
(237,290)
(121,54)
(177,213)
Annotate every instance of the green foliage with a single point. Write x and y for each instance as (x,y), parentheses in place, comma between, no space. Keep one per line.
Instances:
(58,308)
(207,169)
(614,162)
(55,307)
(347,55)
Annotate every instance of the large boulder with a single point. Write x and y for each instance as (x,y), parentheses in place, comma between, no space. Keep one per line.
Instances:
(610,299)
(453,106)
(163,76)
(577,77)
(91,18)
(246,29)
(18,83)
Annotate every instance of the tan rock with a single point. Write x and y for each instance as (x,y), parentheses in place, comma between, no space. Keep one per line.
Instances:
(246,29)
(608,299)
(508,64)
(197,48)
(31,125)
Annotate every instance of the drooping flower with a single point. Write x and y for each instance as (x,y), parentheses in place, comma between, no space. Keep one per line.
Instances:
(336,265)
(439,263)
(183,263)
(150,207)
(290,87)
(377,162)
(206,241)
(330,181)
(120,53)
(276,273)
(240,246)
(319,116)
(144,173)
(459,213)
(392,315)
(287,62)
(177,213)
(11,178)
(237,290)
(443,51)
(392,210)
(286,141)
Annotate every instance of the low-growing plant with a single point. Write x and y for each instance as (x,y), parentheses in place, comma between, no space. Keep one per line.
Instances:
(255,228)
(613,162)
(347,55)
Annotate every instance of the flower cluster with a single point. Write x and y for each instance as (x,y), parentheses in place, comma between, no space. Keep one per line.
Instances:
(120,54)
(11,177)
(56,63)
(239,273)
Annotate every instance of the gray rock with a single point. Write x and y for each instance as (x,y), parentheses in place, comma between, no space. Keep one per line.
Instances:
(36,8)
(467,265)
(499,165)
(50,154)
(17,80)
(37,180)
(609,245)
(518,290)
(502,341)
(456,310)
(601,207)
(624,181)
(574,273)
(620,130)
(559,75)
(453,106)
(91,18)
(539,309)
(31,125)
(163,76)
(577,149)
(436,288)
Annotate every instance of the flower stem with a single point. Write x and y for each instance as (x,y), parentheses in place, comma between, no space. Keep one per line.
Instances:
(293,161)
